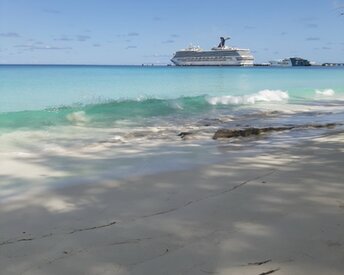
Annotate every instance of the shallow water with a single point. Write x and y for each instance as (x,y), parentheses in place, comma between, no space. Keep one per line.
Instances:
(74,119)
(50,95)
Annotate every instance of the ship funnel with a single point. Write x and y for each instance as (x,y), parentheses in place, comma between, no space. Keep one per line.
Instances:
(223,41)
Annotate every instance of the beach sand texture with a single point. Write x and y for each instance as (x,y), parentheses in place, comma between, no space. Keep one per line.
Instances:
(276,212)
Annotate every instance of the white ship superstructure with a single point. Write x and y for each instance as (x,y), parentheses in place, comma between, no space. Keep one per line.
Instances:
(281,63)
(218,56)
(288,62)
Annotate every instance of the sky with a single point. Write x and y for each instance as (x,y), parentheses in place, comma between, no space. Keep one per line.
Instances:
(150,31)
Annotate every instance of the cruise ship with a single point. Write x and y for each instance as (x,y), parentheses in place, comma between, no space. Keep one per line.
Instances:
(221,55)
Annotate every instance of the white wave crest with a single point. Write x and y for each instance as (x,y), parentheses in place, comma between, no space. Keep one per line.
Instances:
(77,117)
(261,96)
(326,92)
(176,105)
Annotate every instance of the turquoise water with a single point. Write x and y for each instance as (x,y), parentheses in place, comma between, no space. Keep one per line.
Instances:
(106,122)
(99,96)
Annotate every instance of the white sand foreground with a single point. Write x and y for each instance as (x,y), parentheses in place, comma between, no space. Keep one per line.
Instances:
(280,212)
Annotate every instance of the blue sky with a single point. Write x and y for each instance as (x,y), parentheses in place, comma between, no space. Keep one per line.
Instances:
(149,31)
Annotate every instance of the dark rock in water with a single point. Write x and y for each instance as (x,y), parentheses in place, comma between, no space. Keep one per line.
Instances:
(328,125)
(209,122)
(331,125)
(250,131)
(183,134)
(229,133)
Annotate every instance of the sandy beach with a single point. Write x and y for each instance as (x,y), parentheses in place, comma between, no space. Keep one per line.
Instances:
(171,137)
(280,211)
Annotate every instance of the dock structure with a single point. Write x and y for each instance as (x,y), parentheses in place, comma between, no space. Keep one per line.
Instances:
(333,64)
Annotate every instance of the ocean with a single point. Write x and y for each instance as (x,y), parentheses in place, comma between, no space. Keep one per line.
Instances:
(101,96)
(134,114)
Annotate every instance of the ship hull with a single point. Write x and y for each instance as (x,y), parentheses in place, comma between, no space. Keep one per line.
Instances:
(213,58)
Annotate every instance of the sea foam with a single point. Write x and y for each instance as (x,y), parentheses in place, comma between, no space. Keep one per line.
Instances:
(326,92)
(261,96)
(77,117)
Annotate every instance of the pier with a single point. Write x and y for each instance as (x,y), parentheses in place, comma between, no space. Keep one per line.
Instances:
(333,64)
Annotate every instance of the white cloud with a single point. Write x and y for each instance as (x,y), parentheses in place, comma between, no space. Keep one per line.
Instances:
(10,34)
(33,47)
(133,34)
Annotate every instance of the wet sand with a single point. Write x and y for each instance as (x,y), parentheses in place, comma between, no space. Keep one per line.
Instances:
(276,212)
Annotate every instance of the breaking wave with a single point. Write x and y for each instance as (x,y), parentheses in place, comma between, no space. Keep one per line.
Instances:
(261,96)
(77,117)
(325,92)
(106,114)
